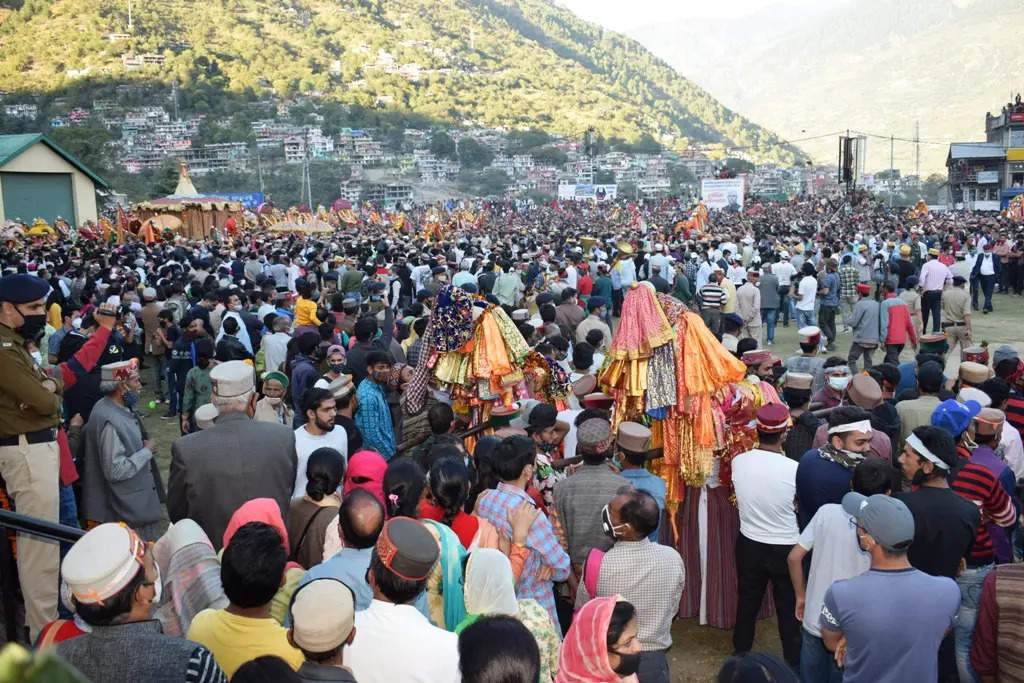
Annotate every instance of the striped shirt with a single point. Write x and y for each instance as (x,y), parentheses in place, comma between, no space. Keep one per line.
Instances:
(712,296)
(1015,410)
(495,505)
(979,485)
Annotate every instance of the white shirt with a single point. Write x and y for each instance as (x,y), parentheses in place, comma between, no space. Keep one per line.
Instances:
(264,310)
(662,262)
(572,276)
(306,443)
(986,264)
(785,271)
(396,643)
(569,418)
(419,276)
(765,485)
(275,350)
(1013,450)
(737,274)
(834,541)
(703,274)
(807,290)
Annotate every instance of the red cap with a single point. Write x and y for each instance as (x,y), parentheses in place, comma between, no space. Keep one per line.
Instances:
(863,288)
(773,417)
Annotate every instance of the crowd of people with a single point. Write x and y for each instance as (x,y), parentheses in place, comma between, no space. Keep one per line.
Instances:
(520,452)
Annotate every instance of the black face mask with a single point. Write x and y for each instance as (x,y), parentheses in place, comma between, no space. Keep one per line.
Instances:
(31,325)
(628,664)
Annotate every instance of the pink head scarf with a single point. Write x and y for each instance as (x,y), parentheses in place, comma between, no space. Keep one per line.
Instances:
(366,465)
(584,657)
(263,510)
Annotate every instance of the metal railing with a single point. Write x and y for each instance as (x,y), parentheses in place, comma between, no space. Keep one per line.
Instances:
(13,521)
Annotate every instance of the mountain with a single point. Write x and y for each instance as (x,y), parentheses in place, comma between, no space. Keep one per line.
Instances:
(876,66)
(516,64)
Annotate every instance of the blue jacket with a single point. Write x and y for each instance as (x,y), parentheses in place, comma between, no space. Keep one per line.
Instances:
(997,265)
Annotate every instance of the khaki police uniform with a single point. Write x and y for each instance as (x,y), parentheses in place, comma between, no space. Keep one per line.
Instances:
(30,404)
(956,307)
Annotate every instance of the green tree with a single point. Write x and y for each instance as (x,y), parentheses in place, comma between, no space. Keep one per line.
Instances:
(442,145)
(603,176)
(550,155)
(88,144)
(739,165)
(472,154)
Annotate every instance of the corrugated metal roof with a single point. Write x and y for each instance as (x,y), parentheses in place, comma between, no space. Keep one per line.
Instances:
(977,150)
(13,145)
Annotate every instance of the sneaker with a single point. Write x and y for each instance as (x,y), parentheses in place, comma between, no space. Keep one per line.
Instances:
(169,416)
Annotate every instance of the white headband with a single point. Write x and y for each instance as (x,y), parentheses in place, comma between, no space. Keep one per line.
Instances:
(861,426)
(923,451)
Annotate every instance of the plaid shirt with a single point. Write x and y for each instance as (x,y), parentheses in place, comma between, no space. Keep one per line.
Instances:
(849,276)
(494,506)
(374,419)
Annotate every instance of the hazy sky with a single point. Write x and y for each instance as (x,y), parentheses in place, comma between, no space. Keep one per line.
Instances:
(625,14)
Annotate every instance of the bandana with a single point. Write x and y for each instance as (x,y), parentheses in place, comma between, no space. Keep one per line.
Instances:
(848,459)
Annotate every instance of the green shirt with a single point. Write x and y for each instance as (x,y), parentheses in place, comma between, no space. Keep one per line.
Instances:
(197,389)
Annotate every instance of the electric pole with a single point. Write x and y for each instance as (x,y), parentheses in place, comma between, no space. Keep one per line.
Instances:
(259,168)
(892,184)
(917,149)
(129,16)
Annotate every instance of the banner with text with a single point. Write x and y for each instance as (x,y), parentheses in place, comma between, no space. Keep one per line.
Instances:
(726,193)
(583,192)
(248,200)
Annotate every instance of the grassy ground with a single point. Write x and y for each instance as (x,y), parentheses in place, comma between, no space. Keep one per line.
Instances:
(698,651)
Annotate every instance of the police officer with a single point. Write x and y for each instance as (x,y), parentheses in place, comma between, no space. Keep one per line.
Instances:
(29,456)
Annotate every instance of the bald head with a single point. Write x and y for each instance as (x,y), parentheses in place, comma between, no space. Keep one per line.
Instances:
(360,519)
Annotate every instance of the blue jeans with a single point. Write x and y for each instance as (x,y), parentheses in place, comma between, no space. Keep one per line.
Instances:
(817,664)
(68,517)
(770,316)
(804,318)
(786,307)
(963,631)
(175,389)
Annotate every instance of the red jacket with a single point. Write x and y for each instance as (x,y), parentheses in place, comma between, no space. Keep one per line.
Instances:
(896,325)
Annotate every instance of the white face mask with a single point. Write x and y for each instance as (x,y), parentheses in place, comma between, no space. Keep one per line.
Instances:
(839,383)
(158,585)
(274,400)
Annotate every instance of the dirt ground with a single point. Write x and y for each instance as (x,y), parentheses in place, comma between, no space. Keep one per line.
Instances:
(698,651)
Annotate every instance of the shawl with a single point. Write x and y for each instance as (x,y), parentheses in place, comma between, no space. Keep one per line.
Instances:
(191,574)
(490,586)
(453,318)
(368,467)
(452,555)
(263,510)
(584,656)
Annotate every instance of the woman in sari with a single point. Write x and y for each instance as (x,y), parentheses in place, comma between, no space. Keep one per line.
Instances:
(490,590)
(266,510)
(601,645)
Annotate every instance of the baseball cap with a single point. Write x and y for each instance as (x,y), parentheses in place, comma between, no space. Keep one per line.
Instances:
(885,519)
(953,416)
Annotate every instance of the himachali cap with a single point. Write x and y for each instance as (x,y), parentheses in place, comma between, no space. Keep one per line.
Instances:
(933,251)
(988,421)
(974,373)
(149,294)
(798,380)
(502,414)
(520,315)
(977,354)
(232,378)
(407,549)
(205,415)
(988,246)
(584,386)
(864,392)
(904,249)
(600,401)
(757,357)
(955,417)
(22,288)
(973,394)
(341,386)
(120,371)
(594,436)
(887,520)
(323,614)
(934,342)
(102,562)
(863,288)
(279,376)
(633,437)
(773,418)
(810,334)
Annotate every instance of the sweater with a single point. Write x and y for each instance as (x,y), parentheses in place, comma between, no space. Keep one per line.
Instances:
(864,321)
